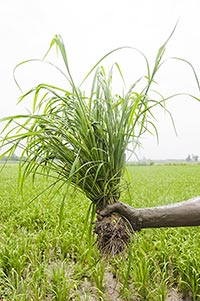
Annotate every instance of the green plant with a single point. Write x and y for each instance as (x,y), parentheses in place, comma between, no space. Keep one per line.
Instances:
(82,139)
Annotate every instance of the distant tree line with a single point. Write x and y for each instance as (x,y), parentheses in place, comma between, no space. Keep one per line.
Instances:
(12,158)
(192,158)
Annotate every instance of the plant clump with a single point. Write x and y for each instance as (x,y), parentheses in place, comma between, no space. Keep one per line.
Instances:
(80,139)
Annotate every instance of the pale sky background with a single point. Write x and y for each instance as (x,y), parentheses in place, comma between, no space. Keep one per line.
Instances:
(90,29)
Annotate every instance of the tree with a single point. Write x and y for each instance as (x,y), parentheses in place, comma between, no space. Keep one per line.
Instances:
(188,158)
(195,158)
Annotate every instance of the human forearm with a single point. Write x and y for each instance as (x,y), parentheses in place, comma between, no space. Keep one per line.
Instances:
(181,214)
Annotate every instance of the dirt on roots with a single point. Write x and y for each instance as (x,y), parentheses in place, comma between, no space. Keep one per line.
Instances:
(113,235)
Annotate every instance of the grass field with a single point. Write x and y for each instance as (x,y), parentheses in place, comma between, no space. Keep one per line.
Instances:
(44,254)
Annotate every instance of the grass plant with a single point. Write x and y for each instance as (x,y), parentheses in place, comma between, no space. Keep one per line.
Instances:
(81,140)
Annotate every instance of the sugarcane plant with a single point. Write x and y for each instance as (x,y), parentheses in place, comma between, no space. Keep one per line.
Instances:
(82,139)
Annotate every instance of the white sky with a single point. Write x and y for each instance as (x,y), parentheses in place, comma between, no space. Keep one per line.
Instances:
(90,29)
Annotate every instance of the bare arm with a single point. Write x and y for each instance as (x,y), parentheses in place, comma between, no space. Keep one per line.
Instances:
(186,213)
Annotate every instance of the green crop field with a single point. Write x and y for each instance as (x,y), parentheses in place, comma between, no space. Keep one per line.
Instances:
(47,252)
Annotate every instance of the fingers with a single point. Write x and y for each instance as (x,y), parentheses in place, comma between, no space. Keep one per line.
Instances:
(107,211)
(99,216)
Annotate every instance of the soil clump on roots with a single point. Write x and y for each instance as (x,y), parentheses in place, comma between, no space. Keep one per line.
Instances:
(113,235)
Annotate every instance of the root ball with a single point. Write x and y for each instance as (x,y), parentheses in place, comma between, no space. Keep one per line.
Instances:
(113,235)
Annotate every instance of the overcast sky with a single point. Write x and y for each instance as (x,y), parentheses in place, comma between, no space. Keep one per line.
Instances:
(90,29)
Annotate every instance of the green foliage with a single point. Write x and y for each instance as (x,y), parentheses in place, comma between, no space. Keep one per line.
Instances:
(82,139)
(46,261)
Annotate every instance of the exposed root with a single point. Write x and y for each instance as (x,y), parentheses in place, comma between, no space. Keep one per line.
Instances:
(114,234)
